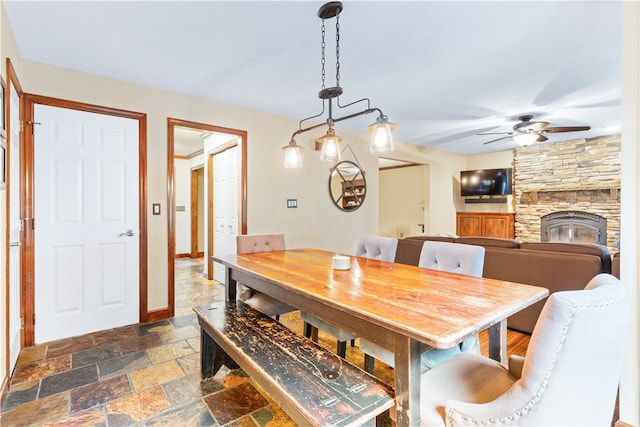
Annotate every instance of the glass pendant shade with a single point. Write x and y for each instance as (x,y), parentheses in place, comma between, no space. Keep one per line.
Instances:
(381,139)
(330,146)
(524,139)
(292,155)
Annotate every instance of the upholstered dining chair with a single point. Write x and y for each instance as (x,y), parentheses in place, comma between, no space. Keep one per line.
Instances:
(445,256)
(251,243)
(372,247)
(569,375)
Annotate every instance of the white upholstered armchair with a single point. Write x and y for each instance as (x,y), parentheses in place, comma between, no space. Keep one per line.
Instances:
(445,256)
(251,243)
(569,376)
(373,247)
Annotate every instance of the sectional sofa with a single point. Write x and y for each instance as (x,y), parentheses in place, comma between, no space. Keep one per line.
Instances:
(555,266)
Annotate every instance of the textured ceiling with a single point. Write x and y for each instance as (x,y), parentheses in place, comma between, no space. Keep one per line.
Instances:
(443,71)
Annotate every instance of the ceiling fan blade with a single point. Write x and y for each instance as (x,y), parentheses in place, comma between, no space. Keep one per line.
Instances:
(498,139)
(566,129)
(495,133)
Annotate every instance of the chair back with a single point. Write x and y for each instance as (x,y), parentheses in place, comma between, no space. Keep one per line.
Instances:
(251,243)
(573,364)
(452,257)
(377,247)
(575,355)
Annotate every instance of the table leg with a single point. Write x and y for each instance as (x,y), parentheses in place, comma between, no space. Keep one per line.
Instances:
(498,342)
(231,286)
(407,373)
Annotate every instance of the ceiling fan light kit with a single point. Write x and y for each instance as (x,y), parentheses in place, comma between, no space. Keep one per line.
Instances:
(381,139)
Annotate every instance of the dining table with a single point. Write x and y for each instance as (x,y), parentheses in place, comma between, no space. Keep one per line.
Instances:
(396,306)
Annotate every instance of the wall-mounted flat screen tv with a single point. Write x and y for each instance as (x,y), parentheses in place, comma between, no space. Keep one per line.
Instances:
(485,182)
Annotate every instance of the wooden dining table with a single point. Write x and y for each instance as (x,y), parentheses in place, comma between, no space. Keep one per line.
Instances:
(396,306)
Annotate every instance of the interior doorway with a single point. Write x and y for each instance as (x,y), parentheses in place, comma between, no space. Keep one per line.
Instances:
(192,207)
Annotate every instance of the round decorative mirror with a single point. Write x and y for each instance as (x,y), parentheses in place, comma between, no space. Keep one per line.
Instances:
(347,185)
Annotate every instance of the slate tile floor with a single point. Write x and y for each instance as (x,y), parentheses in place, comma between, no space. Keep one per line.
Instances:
(138,375)
(148,374)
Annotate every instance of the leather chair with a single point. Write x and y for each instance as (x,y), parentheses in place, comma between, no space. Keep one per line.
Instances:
(372,247)
(569,376)
(445,256)
(251,243)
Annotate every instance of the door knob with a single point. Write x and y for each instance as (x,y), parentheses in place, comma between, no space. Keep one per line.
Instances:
(127,233)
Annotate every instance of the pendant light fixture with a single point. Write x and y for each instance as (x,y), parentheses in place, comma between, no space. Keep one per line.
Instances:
(381,139)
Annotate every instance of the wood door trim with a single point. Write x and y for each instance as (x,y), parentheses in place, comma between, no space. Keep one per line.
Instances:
(30,100)
(172,123)
(194,213)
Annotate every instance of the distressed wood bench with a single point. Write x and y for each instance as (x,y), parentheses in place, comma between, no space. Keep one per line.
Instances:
(313,385)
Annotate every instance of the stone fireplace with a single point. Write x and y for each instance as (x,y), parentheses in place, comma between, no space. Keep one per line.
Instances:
(573,226)
(576,176)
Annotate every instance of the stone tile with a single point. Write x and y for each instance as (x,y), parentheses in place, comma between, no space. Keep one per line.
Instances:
(195,414)
(94,417)
(69,345)
(114,335)
(95,355)
(156,375)
(123,364)
(140,343)
(190,363)
(21,393)
(67,380)
(32,354)
(245,421)
(169,352)
(190,388)
(272,416)
(179,334)
(182,321)
(99,393)
(194,343)
(151,328)
(137,407)
(41,368)
(231,404)
(38,412)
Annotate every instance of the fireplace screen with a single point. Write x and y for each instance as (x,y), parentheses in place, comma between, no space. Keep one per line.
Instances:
(573,226)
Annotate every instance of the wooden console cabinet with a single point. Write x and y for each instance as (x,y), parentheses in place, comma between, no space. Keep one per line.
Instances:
(485,224)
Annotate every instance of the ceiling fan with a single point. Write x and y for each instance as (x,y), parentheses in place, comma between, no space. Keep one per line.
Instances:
(526,132)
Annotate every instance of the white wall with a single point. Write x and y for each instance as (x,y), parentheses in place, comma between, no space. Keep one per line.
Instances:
(403,192)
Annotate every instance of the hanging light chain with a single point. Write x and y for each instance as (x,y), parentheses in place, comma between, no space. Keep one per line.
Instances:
(323,57)
(337,50)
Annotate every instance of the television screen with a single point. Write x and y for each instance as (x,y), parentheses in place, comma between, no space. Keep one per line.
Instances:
(485,182)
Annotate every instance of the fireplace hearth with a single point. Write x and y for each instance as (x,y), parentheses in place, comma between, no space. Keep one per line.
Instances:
(573,226)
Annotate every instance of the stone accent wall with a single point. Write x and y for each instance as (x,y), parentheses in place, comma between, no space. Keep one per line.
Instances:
(582,175)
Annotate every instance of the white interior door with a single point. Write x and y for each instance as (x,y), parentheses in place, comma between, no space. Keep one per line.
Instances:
(14,228)
(225,206)
(86,222)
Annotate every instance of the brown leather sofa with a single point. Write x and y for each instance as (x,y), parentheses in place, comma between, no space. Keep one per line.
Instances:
(555,266)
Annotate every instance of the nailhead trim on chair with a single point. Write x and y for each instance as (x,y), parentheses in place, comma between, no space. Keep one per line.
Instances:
(527,407)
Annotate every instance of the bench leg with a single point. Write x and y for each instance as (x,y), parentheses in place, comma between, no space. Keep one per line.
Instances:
(212,357)
(342,349)
(369,363)
(311,332)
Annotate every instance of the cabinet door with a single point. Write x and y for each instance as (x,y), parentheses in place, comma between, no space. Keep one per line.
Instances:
(469,225)
(496,226)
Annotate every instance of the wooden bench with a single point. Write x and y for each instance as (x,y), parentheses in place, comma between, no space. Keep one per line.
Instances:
(313,385)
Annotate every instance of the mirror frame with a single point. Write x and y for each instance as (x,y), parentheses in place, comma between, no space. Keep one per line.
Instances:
(338,199)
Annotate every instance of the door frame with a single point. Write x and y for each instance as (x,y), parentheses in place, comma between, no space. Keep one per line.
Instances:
(27,209)
(172,123)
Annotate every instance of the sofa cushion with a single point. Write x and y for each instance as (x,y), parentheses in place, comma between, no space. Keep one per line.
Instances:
(408,251)
(556,271)
(433,237)
(577,248)
(489,241)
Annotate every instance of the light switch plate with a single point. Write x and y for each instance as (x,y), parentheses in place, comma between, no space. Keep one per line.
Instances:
(156,208)
(292,203)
